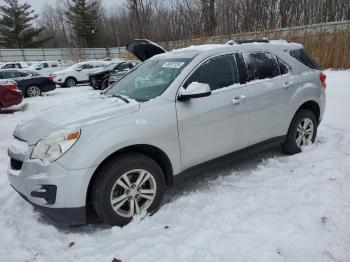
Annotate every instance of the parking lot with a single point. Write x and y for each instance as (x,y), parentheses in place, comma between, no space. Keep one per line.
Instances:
(265,206)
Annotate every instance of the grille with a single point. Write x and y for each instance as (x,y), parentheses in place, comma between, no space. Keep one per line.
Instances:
(16,164)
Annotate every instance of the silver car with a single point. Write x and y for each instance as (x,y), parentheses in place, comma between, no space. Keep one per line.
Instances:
(114,153)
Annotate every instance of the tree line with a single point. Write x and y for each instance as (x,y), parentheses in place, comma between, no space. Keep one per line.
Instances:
(86,23)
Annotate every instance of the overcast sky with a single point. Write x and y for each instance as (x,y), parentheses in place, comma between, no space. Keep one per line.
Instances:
(37,5)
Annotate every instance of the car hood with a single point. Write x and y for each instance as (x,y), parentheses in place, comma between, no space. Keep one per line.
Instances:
(74,114)
(62,72)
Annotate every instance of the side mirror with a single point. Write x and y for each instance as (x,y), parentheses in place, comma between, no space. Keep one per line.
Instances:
(78,69)
(194,90)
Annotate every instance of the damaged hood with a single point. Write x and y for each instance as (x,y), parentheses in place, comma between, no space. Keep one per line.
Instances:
(74,114)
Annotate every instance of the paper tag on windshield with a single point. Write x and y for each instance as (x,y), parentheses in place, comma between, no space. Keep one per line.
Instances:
(173,64)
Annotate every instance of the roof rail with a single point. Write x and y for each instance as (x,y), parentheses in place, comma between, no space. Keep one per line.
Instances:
(247,41)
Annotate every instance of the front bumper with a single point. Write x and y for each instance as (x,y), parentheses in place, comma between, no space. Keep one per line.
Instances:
(58,192)
(64,216)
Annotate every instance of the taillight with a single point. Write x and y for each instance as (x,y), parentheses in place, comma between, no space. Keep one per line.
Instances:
(9,86)
(323,78)
(50,78)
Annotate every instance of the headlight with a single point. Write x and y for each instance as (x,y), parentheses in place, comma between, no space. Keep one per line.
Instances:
(55,145)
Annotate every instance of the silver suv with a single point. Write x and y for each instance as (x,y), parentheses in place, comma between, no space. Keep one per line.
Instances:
(114,153)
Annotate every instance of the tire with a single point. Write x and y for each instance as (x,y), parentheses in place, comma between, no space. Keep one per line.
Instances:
(32,91)
(304,125)
(104,83)
(70,82)
(110,184)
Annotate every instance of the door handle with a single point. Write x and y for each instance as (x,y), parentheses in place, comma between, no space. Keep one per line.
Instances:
(287,85)
(239,100)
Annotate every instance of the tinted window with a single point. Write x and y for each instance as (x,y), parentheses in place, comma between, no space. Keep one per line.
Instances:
(54,65)
(45,65)
(122,66)
(86,66)
(10,74)
(302,56)
(9,66)
(260,66)
(284,69)
(218,72)
(24,74)
(241,68)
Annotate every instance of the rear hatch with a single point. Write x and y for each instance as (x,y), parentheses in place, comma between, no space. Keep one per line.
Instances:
(144,49)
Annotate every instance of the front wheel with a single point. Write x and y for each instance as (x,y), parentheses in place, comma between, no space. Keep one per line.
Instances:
(302,132)
(128,185)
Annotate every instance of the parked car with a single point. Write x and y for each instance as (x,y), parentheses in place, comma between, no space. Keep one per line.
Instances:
(78,73)
(46,67)
(117,75)
(29,82)
(178,110)
(100,79)
(17,65)
(9,94)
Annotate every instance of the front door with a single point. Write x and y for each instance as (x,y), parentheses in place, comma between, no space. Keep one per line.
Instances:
(212,126)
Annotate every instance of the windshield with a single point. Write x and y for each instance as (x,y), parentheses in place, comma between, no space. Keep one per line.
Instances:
(149,80)
(110,66)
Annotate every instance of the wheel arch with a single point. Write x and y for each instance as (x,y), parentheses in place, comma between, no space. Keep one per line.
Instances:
(65,80)
(153,152)
(312,106)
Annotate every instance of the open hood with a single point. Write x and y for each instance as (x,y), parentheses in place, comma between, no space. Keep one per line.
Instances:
(144,49)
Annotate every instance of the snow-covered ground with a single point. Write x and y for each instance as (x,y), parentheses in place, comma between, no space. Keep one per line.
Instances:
(263,207)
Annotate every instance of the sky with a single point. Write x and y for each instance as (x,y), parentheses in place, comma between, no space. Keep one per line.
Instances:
(37,5)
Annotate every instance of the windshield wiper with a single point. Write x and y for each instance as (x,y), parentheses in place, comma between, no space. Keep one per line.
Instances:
(122,98)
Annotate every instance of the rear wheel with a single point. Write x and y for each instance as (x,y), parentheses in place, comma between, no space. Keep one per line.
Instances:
(126,186)
(302,132)
(70,82)
(33,91)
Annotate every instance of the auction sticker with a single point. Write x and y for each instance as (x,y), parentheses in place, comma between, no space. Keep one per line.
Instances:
(173,64)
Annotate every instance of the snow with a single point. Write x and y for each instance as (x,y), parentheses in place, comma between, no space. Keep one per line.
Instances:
(261,207)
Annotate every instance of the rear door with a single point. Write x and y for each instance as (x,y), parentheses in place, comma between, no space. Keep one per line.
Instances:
(212,126)
(269,85)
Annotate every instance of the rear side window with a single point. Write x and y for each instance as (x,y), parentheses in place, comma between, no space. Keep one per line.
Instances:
(302,56)
(10,74)
(261,65)
(217,72)
(284,69)
(54,65)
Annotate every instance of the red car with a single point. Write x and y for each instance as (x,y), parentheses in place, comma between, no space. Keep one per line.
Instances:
(9,94)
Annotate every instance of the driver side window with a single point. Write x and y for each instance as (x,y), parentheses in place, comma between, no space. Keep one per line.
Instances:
(218,72)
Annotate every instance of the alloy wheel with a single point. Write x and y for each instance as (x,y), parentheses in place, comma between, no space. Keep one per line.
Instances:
(305,132)
(71,82)
(33,91)
(133,192)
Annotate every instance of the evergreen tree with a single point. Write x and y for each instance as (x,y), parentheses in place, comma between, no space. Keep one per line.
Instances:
(16,28)
(83,17)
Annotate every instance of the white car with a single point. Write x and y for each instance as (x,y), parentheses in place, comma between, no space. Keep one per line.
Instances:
(46,67)
(78,73)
